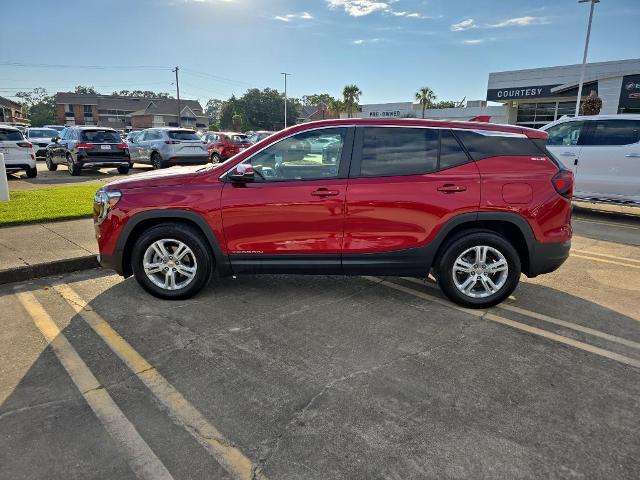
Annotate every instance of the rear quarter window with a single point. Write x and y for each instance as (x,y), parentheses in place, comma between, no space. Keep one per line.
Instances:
(482,146)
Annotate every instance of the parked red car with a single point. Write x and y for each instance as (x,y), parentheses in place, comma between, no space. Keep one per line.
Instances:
(476,204)
(225,145)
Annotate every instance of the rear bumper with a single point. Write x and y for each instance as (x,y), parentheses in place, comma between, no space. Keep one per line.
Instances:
(547,257)
(16,167)
(93,162)
(189,159)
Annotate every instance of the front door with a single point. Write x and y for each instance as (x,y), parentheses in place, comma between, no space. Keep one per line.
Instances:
(565,144)
(291,217)
(405,182)
(609,162)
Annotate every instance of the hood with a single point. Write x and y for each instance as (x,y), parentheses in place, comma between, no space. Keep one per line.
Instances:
(160,178)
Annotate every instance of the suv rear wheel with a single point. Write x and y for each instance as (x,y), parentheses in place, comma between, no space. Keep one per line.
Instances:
(215,158)
(52,167)
(478,269)
(124,169)
(172,261)
(32,172)
(74,168)
(156,161)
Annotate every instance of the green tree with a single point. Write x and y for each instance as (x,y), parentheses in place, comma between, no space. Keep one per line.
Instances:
(142,94)
(39,106)
(335,107)
(316,98)
(237,122)
(214,127)
(445,104)
(213,109)
(260,110)
(81,89)
(425,97)
(351,98)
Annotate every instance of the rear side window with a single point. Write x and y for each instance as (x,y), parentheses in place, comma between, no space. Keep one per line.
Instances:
(100,136)
(10,135)
(613,132)
(451,154)
(182,135)
(399,151)
(482,146)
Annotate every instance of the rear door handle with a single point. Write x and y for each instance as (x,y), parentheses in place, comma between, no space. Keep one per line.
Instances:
(632,155)
(568,154)
(325,192)
(450,188)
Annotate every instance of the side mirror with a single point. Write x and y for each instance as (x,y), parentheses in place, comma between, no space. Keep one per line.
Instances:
(242,173)
(55,139)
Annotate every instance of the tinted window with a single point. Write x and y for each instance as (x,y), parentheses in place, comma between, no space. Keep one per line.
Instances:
(451,153)
(399,151)
(613,132)
(567,133)
(43,133)
(10,135)
(100,136)
(482,145)
(183,135)
(293,159)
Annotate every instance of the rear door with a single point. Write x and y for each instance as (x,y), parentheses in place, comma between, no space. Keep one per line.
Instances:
(609,162)
(405,182)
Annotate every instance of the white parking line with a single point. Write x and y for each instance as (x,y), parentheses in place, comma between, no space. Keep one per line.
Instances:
(615,257)
(180,409)
(602,260)
(485,314)
(144,463)
(608,224)
(547,318)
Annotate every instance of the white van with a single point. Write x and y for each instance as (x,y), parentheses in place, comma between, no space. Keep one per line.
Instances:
(604,153)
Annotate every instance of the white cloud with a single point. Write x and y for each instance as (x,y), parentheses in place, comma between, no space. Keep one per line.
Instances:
(362,41)
(477,41)
(359,8)
(520,22)
(294,16)
(467,24)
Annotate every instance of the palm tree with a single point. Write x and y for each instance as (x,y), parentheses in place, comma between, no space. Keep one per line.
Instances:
(425,97)
(351,94)
(335,106)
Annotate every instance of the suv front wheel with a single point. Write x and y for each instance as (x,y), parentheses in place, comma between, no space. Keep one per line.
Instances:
(172,261)
(478,269)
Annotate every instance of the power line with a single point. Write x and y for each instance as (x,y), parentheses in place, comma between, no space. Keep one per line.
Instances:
(216,77)
(95,67)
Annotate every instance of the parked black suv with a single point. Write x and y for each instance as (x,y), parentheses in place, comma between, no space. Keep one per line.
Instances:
(88,147)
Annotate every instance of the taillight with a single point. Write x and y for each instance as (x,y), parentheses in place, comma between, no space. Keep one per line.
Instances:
(25,144)
(171,142)
(563,183)
(122,145)
(81,146)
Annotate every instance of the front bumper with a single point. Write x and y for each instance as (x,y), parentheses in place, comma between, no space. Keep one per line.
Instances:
(547,257)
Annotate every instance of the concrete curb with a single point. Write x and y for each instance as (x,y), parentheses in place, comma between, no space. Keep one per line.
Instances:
(58,267)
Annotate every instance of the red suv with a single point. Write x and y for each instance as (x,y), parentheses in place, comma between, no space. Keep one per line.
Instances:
(225,145)
(475,204)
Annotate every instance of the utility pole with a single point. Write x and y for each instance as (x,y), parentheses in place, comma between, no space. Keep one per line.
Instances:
(178,94)
(285,97)
(584,57)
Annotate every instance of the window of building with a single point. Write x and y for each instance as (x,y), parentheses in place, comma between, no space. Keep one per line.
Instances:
(399,151)
(88,112)
(536,115)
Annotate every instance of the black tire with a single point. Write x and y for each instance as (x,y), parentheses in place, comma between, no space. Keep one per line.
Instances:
(190,237)
(32,172)
(215,158)
(52,167)
(124,170)
(456,246)
(74,168)
(156,161)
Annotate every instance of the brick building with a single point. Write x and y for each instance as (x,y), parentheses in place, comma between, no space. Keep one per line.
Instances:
(128,112)
(11,112)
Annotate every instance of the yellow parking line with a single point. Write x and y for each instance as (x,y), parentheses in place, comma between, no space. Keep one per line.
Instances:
(548,319)
(517,325)
(144,463)
(602,260)
(183,412)
(615,257)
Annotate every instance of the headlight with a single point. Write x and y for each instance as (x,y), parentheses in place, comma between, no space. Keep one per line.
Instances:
(103,202)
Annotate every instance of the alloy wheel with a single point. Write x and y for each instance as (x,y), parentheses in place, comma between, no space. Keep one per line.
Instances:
(170,264)
(480,271)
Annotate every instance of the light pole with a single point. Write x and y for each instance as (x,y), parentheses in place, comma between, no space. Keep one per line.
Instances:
(285,97)
(584,57)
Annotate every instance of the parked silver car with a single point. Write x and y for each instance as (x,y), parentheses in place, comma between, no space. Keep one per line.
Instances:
(166,146)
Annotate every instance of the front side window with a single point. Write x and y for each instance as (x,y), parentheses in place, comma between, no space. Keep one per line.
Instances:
(613,132)
(399,151)
(293,159)
(567,133)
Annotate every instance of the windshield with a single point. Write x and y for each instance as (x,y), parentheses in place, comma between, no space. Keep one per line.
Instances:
(183,135)
(43,133)
(238,138)
(100,136)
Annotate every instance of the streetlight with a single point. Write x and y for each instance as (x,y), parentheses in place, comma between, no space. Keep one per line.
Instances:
(586,48)
(285,97)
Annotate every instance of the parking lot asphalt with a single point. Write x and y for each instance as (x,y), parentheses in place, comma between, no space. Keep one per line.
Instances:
(327,377)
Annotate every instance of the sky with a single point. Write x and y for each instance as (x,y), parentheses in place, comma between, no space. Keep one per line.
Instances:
(389,48)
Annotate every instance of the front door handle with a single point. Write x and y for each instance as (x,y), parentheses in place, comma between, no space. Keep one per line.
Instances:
(325,192)
(568,154)
(451,188)
(632,155)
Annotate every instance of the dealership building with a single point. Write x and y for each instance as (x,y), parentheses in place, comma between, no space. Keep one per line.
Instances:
(535,97)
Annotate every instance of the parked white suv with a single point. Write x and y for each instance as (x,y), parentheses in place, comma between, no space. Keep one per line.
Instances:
(18,153)
(604,153)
